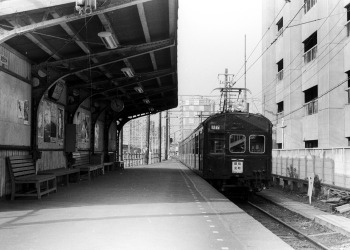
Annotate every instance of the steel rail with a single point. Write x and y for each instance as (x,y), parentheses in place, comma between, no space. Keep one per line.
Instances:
(290,227)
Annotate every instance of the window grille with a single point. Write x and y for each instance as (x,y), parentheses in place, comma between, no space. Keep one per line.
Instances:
(280,75)
(311,107)
(310,54)
(308,5)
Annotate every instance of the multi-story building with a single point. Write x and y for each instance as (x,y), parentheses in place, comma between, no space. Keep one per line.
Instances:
(192,110)
(306,70)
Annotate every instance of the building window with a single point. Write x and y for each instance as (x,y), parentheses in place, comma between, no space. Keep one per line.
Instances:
(348,19)
(310,48)
(348,89)
(311,144)
(311,102)
(349,141)
(279,26)
(280,107)
(308,4)
(279,145)
(280,70)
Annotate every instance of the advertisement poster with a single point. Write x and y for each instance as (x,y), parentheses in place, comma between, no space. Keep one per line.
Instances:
(85,127)
(40,121)
(60,124)
(26,112)
(97,133)
(47,121)
(20,109)
(53,112)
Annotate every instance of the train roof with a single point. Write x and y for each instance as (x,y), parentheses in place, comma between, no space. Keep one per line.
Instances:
(250,121)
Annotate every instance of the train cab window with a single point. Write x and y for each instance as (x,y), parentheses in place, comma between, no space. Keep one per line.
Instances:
(217,143)
(257,144)
(237,143)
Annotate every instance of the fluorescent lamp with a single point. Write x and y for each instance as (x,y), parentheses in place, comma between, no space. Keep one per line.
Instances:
(138,89)
(146,100)
(127,72)
(108,40)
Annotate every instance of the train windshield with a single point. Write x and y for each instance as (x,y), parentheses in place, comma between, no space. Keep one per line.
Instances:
(217,143)
(237,143)
(257,144)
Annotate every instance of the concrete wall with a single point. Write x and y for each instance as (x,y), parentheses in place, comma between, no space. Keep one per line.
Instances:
(329,164)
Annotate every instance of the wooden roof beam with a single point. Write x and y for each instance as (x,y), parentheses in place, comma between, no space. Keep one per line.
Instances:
(118,4)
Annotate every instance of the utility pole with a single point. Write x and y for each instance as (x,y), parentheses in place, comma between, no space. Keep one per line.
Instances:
(160,137)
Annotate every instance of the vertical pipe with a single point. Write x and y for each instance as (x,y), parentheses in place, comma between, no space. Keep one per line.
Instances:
(121,142)
(160,137)
(167,122)
(130,135)
(245,72)
(147,138)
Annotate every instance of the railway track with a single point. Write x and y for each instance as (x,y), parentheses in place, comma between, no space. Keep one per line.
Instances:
(296,230)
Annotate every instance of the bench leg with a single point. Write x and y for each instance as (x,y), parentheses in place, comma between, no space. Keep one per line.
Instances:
(78,177)
(67,180)
(37,186)
(13,191)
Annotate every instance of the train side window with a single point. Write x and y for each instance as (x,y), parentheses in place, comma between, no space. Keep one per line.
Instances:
(237,143)
(217,143)
(257,144)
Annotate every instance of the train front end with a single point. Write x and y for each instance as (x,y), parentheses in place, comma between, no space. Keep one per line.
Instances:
(238,151)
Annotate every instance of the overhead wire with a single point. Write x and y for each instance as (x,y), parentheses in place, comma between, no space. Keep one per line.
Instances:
(312,63)
(297,56)
(267,30)
(271,43)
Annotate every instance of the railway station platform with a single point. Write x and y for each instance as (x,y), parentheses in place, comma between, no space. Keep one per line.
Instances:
(159,206)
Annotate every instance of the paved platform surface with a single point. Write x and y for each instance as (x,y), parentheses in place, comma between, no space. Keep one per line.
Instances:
(160,206)
(337,223)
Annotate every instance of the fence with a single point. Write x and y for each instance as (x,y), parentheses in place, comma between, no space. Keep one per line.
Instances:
(132,160)
(331,165)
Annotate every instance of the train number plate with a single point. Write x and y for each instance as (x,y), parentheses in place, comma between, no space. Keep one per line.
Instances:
(237,167)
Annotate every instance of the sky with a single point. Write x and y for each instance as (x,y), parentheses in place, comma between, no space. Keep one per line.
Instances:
(211,39)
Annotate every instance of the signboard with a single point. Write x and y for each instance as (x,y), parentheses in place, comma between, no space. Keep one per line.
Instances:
(237,166)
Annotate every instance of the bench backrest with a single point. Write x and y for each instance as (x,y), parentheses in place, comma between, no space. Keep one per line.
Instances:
(21,165)
(81,158)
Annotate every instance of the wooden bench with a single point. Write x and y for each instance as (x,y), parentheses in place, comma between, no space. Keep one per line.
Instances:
(82,161)
(23,172)
(65,173)
(108,162)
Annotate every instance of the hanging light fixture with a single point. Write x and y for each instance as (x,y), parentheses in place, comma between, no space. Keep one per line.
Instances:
(108,40)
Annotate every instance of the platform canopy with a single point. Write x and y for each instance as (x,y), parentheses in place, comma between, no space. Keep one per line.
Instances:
(116,52)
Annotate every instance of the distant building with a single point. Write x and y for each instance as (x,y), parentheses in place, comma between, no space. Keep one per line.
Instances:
(191,111)
(306,70)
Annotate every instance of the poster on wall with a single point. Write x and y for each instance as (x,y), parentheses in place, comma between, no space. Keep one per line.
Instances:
(60,124)
(85,127)
(53,133)
(97,133)
(40,121)
(47,121)
(20,109)
(26,112)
